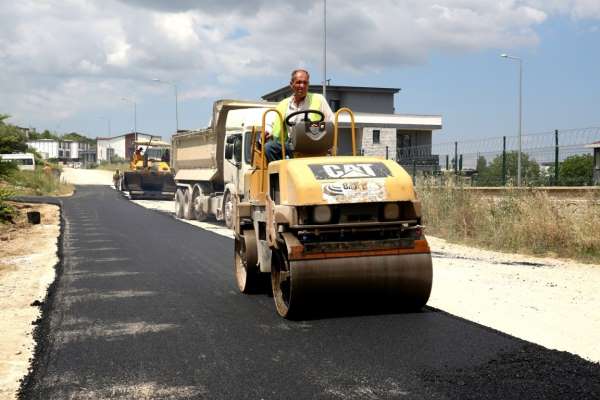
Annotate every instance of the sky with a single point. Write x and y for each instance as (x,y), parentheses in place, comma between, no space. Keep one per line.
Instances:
(79,65)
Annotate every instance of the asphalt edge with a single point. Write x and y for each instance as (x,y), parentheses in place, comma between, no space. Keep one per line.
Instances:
(41,331)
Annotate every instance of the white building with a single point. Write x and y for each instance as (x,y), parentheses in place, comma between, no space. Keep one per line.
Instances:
(48,148)
(120,146)
(63,150)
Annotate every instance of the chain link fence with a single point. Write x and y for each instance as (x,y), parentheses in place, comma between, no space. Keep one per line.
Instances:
(555,158)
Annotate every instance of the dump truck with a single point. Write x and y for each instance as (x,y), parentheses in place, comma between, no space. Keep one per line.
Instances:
(149,175)
(210,164)
(328,229)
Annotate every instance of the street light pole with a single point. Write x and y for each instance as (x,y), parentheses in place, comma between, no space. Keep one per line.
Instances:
(176,101)
(520,112)
(134,115)
(325,48)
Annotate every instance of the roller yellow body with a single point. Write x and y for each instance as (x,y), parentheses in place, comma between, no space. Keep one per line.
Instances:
(330,229)
(302,187)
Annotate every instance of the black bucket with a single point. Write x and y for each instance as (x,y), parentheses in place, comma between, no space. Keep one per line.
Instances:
(34,217)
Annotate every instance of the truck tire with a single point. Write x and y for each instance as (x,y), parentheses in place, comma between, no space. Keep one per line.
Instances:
(188,206)
(228,209)
(247,274)
(179,203)
(197,199)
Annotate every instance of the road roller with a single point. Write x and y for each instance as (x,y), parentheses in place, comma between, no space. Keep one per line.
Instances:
(328,228)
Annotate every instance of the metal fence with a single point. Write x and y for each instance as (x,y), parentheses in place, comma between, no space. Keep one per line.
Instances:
(493,161)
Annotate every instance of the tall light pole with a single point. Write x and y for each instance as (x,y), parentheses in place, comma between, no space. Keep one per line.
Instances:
(520,112)
(109,138)
(134,115)
(176,107)
(324,48)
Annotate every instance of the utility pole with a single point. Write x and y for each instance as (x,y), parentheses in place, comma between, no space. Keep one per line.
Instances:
(176,107)
(325,49)
(134,115)
(520,61)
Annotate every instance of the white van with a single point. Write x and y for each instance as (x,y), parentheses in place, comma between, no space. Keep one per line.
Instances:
(25,161)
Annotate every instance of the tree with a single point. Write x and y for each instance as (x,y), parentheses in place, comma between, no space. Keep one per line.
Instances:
(576,170)
(12,140)
(76,137)
(492,174)
(44,135)
(481,164)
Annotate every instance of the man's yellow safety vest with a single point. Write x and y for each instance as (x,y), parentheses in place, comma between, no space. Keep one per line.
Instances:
(314,103)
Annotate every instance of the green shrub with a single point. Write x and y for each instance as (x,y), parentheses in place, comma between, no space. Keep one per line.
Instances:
(7,212)
(36,182)
(7,168)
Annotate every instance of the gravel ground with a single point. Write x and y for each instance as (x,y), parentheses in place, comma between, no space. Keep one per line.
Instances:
(27,260)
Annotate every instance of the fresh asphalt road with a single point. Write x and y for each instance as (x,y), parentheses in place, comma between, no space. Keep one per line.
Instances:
(146,307)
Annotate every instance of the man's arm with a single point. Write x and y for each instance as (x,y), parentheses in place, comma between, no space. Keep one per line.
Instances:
(270,120)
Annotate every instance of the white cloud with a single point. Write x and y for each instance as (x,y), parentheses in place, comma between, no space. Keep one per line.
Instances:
(117,52)
(178,28)
(54,53)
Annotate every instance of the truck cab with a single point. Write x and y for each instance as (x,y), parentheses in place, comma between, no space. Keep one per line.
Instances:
(210,164)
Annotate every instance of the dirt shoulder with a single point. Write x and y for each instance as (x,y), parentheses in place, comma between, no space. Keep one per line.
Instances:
(27,259)
(28,254)
(547,301)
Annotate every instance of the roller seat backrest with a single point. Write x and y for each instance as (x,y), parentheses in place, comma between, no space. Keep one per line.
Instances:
(310,141)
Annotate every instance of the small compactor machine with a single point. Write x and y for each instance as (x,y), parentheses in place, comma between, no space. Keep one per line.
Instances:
(150,176)
(329,228)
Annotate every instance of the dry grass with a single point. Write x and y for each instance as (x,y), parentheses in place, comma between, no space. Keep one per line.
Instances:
(528,223)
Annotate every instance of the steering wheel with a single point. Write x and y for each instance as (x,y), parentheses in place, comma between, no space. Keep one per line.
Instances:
(289,122)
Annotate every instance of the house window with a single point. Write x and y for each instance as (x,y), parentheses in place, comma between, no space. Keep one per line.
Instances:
(376,136)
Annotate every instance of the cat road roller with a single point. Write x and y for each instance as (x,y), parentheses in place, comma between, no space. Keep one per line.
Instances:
(330,230)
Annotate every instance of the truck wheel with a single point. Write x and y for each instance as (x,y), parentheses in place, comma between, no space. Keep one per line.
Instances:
(198,213)
(247,274)
(228,209)
(188,209)
(281,282)
(179,203)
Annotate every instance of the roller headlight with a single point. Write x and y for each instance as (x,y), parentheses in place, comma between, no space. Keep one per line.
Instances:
(391,211)
(322,214)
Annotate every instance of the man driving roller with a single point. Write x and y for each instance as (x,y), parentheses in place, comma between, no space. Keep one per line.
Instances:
(298,101)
